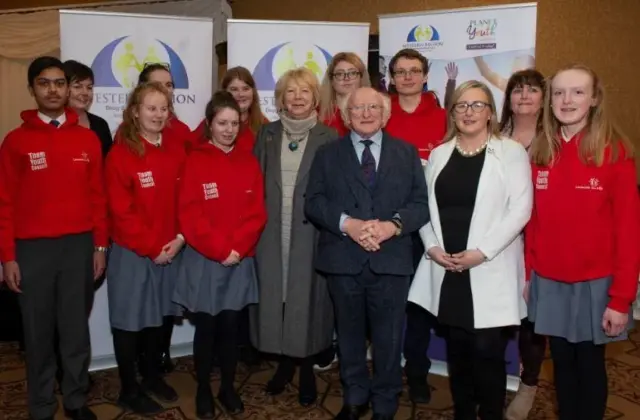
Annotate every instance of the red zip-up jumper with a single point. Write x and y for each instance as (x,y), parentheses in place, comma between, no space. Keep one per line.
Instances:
(221,205)
(143,194)
(51,183)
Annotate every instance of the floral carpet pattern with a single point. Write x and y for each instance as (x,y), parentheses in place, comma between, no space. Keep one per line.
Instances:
(624,392)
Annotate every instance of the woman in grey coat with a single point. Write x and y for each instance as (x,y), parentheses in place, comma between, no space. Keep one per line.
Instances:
(294,316)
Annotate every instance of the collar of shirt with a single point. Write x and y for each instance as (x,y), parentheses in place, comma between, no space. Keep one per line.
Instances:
(376,138)
(157,143)
(47,120)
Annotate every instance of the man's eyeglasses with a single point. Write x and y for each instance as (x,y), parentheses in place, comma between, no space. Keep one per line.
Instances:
(359,109)
(405,73)
(346,75)
(476,107)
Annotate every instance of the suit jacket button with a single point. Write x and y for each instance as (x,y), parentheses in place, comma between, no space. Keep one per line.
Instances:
(304,195)
(305,221)
(356,206)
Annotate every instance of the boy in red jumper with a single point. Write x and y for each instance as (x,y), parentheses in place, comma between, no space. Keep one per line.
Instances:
(417,119)
(583,239)
(53,237)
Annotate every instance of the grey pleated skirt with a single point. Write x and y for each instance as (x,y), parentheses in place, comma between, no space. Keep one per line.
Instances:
(140,292)
(571,310)
(208,286)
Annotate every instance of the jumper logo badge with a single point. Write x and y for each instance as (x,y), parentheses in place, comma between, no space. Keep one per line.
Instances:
(146,179)
(210,190)
(38,161)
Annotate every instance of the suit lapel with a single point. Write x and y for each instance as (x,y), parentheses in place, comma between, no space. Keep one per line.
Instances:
(274,146)
(491,166)
(316,137)
(386,158)
(351,165)
(432,175)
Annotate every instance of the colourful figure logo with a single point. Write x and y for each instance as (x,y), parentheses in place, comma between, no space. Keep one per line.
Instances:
(423,33)
(118,65)
(287,56)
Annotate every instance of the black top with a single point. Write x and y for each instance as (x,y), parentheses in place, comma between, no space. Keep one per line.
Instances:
(99,126)
(455,191)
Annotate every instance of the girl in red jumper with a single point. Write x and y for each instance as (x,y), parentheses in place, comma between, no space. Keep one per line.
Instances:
(142,172)
(346,72)
(222,213)
(583,239)
(161,73)
(239,82)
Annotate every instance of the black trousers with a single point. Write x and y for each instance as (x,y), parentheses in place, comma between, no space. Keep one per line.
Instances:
(418,333)
(532,348)
(127,346)
(477,372)
(219,332)
(580,377)
(57,294)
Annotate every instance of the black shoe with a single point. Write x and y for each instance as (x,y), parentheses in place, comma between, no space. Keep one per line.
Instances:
(419,391)
(205,406)
(352,412)
(160,389)
(139,403)
(230,400)
(82,413)
(377,416)
(284,375)
(166,364)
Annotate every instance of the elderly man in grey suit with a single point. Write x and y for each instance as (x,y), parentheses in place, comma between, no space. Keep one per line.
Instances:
(367,194)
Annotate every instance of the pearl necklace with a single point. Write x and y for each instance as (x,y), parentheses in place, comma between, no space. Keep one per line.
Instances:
(473,152)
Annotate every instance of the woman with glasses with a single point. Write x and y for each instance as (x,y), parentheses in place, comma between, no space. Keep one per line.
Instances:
(346,72)
(295,314)
(480,198)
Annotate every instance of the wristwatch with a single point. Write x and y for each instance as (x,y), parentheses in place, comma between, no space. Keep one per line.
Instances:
(100,249)
(398,223)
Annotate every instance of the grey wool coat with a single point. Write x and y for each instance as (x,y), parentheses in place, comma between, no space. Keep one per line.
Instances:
(304,326)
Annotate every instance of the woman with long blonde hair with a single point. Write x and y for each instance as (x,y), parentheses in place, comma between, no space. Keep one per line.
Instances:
(346,72)
(142,172)
(583,240)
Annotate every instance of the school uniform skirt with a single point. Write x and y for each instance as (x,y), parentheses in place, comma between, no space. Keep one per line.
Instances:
(140,291)
(207,286)
(572,311)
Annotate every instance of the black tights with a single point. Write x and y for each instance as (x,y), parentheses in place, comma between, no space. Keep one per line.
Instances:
(219,331)
(127,346)
(532,347)
(167,332)
(477,372)
(580,377)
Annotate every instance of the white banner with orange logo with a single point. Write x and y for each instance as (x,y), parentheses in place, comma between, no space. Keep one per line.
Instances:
(480,43)
(269,48)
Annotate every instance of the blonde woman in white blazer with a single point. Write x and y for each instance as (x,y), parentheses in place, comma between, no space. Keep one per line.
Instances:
(472,276)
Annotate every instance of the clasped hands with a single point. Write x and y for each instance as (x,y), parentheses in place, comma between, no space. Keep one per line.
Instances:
(456,262)
(169,251)
(369,234)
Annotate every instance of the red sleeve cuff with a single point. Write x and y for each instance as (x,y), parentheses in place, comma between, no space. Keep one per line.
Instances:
(7,254)
(619,305)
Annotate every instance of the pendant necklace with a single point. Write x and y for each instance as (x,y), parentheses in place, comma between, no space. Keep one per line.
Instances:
(294,141)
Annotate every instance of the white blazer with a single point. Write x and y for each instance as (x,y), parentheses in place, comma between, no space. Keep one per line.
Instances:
(502,209)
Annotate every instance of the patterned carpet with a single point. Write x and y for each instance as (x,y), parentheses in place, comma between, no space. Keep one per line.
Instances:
(624,400)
